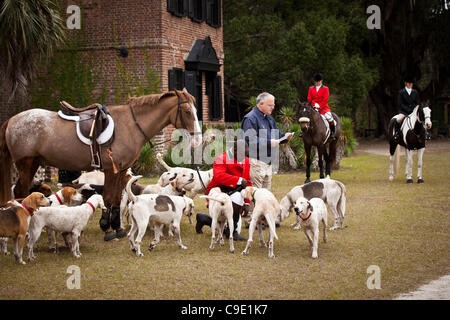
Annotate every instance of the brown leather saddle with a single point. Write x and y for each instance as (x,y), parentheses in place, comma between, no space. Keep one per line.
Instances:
(95,126)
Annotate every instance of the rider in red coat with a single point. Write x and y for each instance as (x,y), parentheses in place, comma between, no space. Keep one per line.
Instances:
(231,173)
(318,97)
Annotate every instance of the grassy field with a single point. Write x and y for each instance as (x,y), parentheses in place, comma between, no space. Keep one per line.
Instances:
(401,228)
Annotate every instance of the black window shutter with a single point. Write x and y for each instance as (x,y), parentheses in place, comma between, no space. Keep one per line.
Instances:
(189,81)
(191,9)
(209,13)
(218,97)
(186,7)
(219,16)
(171,6)
(171,79)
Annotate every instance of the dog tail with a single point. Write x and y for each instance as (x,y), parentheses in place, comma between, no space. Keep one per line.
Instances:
(5,166)
(130,194)
(342,199)
(162,162)
(214,199)
(272,227)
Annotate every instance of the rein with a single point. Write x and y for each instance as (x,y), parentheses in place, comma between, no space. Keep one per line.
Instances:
(179,103)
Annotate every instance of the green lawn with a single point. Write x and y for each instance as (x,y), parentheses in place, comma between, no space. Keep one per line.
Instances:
(401,228)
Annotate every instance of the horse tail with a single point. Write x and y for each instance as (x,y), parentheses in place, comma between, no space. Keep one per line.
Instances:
(5,166)
(333,151)
(162,162)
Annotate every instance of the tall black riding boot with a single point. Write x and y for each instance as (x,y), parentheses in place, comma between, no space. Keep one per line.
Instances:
(202,220)
(332,130)
(237,210)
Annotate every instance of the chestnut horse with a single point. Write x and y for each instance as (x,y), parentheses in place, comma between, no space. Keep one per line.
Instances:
(315,134)
(40,137)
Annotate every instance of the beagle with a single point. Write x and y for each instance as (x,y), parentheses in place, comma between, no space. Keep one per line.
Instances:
(14,220)
(67,196)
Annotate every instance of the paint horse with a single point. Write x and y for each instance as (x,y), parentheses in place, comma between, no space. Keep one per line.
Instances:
(40,137)
(315,133)
(412,137)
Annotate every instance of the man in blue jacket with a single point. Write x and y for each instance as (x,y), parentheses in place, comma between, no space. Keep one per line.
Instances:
(263,136)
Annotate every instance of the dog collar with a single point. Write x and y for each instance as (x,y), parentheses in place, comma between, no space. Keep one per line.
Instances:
(253,196)
(306,217)
(28,209)
(59,199)
(92,206)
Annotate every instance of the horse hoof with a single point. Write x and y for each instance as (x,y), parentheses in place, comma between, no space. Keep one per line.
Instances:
(307,180)
(409,181)
(420,181)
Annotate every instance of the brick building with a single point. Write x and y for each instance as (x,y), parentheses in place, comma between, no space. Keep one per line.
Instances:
(182,38)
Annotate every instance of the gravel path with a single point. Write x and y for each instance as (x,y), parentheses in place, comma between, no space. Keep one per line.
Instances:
(435,290)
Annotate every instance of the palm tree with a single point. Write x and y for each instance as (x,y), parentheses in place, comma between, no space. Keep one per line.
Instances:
(29,31)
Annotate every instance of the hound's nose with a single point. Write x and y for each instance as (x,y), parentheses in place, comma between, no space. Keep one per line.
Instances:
(297,211)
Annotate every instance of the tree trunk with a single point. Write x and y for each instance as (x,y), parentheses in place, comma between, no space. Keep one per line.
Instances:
(288,159)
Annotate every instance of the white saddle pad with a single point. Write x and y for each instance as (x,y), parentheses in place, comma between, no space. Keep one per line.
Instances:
(327,125)
(102,138)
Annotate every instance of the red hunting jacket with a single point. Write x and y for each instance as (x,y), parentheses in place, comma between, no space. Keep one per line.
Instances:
(320,97)
(227,171)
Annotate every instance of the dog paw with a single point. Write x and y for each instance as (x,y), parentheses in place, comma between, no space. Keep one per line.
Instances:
(334,228)
(314,256)
(271,256)
(232,250)
(211,247)
(391,178)
(183,247)
(244,253)
(262,244)
(140,254)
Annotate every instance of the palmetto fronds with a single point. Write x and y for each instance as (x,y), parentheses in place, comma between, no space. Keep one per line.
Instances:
(29,31)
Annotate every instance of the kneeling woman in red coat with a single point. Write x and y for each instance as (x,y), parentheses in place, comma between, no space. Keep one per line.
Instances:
(231,173)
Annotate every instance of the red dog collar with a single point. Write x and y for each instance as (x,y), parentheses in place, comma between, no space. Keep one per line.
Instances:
(307,216)
(28,209)
(59,199)
(92,206)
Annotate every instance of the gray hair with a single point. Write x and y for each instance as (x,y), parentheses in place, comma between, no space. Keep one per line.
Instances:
(262,97)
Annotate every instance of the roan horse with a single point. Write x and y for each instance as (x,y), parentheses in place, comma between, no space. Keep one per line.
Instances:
(40,137)
(412,137)
(315,134)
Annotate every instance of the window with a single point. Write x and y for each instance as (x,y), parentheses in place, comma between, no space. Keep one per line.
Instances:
(193,83)
(213,13)
(178,8)
(176,79)
(214,92)
(197,10)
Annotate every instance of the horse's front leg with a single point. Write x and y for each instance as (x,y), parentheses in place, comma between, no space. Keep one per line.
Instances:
(110,220)
(409,165)
(419,165)
(27,169)
(327,158)
(321,152)
(308,162)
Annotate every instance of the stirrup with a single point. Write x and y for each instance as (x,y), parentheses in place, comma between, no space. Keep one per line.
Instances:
(95,163)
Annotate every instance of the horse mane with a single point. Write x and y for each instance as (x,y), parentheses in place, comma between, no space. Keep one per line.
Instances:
(155,98)
(150,98)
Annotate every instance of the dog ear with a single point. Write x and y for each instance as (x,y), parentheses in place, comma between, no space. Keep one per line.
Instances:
(310,206)
(175,175)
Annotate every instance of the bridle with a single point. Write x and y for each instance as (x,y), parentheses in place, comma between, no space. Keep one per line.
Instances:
(183,124)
